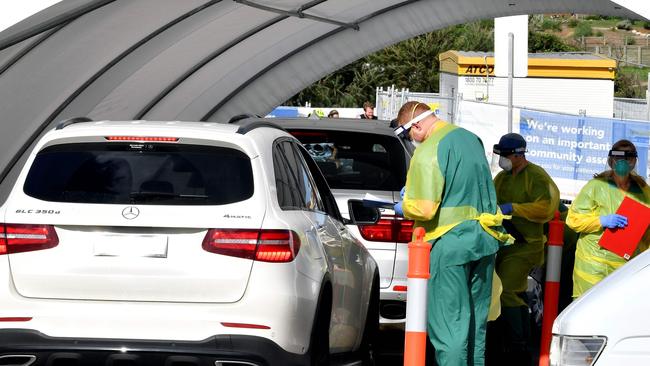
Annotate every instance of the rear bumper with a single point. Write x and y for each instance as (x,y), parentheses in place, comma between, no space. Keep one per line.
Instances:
(228,349)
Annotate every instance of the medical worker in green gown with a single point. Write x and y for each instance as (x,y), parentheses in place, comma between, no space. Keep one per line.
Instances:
(594,209)
(527,193)
(449,192)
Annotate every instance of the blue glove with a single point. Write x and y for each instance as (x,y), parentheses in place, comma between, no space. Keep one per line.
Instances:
(613,221)
(398,209)
(506,208)
(401,193)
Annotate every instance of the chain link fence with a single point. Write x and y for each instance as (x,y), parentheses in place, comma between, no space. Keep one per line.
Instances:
(390,100)
(629,108)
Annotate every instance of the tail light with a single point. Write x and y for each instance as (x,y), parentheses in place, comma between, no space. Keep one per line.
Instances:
(142,138)
(277,246)
(388,229)
(18,238)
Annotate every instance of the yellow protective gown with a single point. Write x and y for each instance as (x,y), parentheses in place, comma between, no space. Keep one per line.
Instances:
(600,196)
(535,198)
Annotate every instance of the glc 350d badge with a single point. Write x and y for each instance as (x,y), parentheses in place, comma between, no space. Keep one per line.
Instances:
(130,213)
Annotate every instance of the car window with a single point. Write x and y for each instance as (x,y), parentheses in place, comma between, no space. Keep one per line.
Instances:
(287,188)
(326,196)
(126,173)
(357,160)
(297,177)
(308,187)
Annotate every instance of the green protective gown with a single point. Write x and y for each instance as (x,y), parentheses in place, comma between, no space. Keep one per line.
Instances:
(449,192)
(535,198)
(600,196)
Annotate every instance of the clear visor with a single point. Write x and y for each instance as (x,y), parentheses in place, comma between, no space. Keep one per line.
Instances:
(494,164)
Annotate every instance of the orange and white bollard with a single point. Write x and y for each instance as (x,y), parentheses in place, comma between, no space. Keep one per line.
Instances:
(552,285)
(415,344)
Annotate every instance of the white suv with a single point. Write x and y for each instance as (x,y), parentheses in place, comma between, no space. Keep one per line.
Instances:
(179,243)
(359,157)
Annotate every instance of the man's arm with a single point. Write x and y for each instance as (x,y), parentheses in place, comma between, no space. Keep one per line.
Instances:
(546,201)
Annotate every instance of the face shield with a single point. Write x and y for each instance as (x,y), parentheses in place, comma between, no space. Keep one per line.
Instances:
(403,130)
(622,161)
(499,158)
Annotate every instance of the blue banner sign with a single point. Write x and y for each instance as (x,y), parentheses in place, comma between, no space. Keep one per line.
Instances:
(576,147)
(284,112)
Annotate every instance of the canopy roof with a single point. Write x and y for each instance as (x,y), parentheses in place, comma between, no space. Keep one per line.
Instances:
(206,60)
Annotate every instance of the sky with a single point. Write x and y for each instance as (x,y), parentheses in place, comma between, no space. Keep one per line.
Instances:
(13,11)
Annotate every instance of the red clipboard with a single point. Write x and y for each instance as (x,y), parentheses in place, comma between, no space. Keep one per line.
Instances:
(623,241)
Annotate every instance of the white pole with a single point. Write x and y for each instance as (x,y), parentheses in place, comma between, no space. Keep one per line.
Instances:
(647,98)
(511,62)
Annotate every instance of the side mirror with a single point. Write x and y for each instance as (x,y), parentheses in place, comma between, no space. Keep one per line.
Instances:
(362,215)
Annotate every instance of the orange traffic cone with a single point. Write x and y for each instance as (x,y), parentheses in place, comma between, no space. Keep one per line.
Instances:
(552,285)
(415,343)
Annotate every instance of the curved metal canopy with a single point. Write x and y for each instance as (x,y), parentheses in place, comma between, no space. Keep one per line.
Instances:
(205,60)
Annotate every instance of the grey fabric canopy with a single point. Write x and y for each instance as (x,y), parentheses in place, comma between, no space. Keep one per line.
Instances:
(200,60)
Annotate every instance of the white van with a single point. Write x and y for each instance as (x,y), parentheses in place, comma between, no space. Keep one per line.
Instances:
(610,323)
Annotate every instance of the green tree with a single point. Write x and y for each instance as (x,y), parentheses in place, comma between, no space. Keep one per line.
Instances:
(411,64)
(545,42)
(583,29)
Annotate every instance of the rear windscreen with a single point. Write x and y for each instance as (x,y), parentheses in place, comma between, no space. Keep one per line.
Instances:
(355,160)
(142,173)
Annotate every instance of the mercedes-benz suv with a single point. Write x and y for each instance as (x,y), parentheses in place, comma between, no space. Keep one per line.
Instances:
(179,243)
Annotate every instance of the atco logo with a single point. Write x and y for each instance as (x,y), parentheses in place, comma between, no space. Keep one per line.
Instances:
(130,213)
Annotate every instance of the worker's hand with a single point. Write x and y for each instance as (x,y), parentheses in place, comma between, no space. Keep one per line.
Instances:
(402,192)
(613,221)
(398,209)
(506,208)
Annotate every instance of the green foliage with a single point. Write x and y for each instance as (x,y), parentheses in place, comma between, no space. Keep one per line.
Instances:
(551,24)
(411,64)
(544,42)
(599,34)
(646,25)
(573,22)
(583,29)
(629,82)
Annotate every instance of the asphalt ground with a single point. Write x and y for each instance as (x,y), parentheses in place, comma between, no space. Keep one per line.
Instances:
(390,348)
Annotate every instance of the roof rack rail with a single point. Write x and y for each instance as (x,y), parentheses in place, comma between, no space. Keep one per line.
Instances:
(70,121)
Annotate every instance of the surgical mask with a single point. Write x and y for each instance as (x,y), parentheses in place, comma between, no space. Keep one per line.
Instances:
(622,168)
(505,163)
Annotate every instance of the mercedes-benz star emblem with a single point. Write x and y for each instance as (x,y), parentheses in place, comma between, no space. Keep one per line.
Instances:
(130,213)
